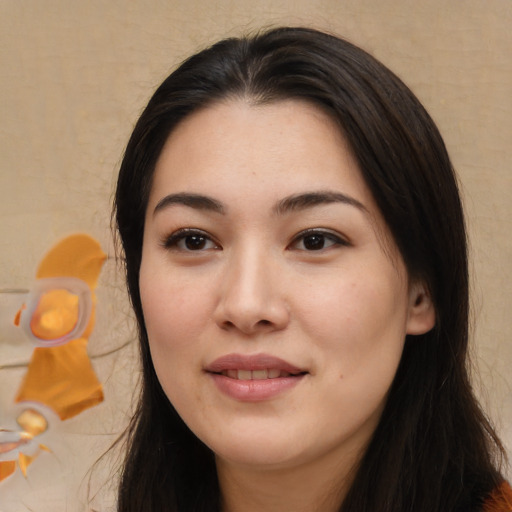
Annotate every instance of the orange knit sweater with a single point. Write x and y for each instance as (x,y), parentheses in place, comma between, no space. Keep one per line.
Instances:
(500,499)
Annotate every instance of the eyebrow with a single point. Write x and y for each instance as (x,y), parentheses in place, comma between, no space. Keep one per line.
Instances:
(295,202)
(312,199)
(196,201)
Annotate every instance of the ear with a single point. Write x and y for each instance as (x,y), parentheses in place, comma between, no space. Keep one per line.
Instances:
(422,315)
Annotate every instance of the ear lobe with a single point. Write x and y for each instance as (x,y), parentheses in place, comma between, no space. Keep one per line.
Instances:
(422,315)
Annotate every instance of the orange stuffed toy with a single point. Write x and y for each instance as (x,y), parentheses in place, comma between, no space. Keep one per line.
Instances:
(59,319)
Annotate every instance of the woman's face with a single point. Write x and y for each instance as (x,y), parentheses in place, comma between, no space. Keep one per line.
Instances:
(275,302)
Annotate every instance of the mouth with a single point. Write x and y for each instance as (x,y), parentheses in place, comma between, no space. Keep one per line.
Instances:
(254,378)
(267,373)
(253,367)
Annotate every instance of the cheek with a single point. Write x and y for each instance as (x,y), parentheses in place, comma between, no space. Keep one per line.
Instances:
(172,315)
(358,328)
(360,321)
(175,310)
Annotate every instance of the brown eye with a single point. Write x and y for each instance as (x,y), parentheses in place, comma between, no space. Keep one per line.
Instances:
(195,242)
(189,240)
(314,242)
(317,240)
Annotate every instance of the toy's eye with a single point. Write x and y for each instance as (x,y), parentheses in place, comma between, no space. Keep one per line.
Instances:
(58,310)
(56,314)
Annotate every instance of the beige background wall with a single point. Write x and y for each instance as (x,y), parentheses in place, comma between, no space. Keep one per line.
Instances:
(74,76)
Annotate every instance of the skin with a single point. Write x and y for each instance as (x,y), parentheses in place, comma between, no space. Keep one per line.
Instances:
(336,303)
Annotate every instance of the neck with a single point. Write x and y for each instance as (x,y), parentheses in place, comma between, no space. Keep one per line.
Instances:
(310,488)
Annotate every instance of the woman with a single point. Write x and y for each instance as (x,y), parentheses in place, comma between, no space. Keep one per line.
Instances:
(296,259)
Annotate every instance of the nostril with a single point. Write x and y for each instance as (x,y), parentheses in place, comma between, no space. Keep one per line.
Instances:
(228,325)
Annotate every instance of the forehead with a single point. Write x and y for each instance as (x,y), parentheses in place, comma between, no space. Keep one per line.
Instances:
(289,141)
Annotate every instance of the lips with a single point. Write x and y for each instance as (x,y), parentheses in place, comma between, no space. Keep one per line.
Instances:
(253,363)
(254,378)
(267,373)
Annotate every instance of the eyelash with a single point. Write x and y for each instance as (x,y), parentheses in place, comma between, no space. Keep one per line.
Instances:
(173,241)
(180,236)
(335,239)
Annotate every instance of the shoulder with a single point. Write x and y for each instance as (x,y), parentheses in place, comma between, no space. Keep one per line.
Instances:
(500,500)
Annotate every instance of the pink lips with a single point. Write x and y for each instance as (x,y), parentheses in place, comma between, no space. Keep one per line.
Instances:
(253,378)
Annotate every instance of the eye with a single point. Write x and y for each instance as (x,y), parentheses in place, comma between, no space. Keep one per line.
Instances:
(190,240)
(316,240)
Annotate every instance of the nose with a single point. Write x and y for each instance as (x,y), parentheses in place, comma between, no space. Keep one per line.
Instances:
(252,295)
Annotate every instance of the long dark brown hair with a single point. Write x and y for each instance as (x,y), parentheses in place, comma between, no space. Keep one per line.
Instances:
(434,449)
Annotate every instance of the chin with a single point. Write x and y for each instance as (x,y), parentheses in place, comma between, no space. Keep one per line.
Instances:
(258,451)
